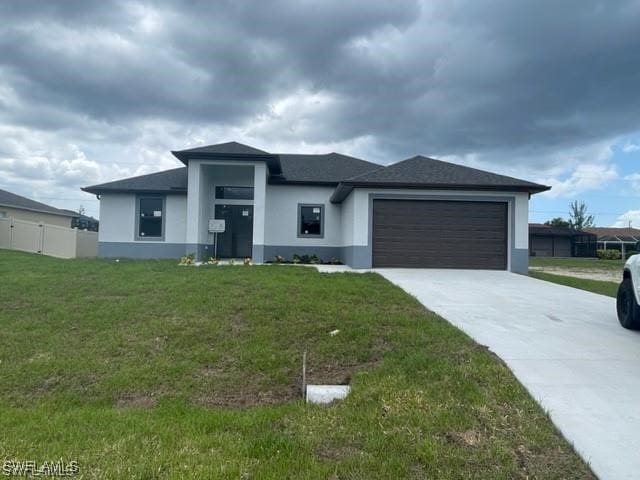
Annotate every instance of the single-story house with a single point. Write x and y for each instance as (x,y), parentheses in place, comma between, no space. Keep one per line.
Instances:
(618,238)
(22,208)
(418,212)
(556,241)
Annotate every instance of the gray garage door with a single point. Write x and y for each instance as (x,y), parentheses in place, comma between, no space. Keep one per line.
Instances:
(439,234)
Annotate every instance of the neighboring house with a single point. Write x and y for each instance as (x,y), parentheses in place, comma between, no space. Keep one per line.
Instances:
(554,241)
(418,212)
(83,222)
(22,208)
(623,239)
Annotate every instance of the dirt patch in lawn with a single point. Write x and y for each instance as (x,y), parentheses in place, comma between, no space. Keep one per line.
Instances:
(249,396)
(586,273)
(226,391)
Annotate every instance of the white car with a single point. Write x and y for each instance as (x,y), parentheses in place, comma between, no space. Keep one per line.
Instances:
(629,295)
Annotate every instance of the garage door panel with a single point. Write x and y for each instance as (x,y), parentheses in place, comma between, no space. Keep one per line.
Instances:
(439,234)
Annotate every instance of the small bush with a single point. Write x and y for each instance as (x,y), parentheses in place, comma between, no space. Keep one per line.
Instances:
(609,254)
(188,259)
(305,259)
(211,261)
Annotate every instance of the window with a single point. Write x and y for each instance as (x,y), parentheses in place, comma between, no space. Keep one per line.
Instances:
(150,218)
(234,193)
(311,221)
(3,214)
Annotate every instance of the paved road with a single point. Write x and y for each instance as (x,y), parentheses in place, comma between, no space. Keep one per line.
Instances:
(564,345)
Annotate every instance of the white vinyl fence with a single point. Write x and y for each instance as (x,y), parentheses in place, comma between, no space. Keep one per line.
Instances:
(47,239)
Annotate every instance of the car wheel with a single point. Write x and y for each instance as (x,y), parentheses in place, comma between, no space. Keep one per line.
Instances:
(628,311)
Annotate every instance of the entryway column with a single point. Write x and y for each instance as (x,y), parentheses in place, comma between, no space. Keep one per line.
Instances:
(259,201)
(194,205)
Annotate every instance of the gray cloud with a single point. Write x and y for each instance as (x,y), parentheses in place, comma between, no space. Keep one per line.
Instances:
(507,83)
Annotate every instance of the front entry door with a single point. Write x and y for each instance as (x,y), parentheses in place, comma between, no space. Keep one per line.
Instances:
(237,239)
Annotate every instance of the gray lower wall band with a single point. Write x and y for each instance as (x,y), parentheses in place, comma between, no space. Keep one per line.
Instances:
(354,256)
(520,260)
(140,250)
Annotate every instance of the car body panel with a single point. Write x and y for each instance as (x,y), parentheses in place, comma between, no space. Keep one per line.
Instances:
(632,266)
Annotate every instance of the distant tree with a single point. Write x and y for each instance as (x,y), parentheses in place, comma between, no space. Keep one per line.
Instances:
(81,210)
(558,222)
(579,218)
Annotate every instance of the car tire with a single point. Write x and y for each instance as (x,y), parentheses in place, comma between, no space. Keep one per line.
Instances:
(628,310)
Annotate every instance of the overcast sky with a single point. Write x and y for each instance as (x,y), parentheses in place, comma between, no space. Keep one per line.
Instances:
(92,91)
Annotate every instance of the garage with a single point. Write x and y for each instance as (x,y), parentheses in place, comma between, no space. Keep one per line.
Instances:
(440,234)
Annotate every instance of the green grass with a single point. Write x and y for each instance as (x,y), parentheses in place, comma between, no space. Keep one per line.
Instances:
(143,369)
(596,286)
(575,262)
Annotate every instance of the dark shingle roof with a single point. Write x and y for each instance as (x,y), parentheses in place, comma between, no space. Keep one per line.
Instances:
(428,171)
(9,199)
(174,180)
(228,148)
(330,168)
(233,150)
(424,172)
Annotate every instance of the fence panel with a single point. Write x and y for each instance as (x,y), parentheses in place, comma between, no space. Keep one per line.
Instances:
(5,233)
(27,236)
(58,241)
(86,243)
(47,239)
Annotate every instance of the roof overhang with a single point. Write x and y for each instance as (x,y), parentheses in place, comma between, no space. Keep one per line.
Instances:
(272,161)
(96,190)
(280,180)
(344,189)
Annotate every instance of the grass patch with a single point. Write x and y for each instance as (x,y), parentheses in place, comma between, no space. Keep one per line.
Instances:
(596,286)
(143,369)
(576,262)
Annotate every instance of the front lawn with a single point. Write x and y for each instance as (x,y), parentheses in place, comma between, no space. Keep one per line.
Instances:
(576,262)
(596,286)
(144,369)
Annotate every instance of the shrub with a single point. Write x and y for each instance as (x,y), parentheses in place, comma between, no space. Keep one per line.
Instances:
(306,259)
(609,254)
(211,261)
(279,259)
(188,259)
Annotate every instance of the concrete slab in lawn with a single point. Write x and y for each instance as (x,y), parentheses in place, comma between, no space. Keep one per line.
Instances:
(565,346)
(326,393)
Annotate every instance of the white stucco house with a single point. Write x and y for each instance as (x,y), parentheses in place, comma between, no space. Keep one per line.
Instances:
(418,212)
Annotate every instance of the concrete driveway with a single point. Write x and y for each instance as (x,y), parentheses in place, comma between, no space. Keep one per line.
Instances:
(564,345)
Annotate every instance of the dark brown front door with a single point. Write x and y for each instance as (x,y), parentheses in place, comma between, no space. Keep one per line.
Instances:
(440,234)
